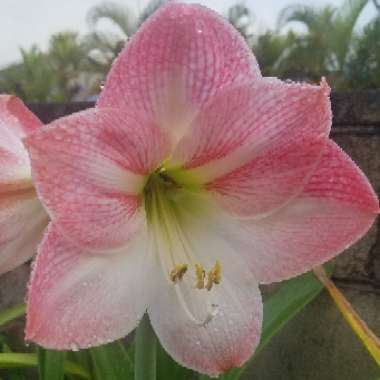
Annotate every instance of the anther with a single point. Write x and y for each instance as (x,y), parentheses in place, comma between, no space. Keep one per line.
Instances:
(214,276)
(178,272)
(201,275)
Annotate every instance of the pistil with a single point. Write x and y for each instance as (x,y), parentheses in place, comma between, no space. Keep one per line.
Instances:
(175,251)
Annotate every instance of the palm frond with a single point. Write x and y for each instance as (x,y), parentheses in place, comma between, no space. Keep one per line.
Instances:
(152,6)
(123,17)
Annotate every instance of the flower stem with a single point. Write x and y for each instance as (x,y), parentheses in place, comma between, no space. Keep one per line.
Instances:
(145,351)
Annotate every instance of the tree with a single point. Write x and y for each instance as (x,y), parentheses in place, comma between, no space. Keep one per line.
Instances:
(327,43)
(363,68)
(241,17)
(32,79)
(104,46)
(269,48)
(55,75)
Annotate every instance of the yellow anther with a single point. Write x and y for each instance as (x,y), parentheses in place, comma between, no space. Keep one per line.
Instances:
(214,276)
(178,272)
(217,272)
(210,280)
(201,275)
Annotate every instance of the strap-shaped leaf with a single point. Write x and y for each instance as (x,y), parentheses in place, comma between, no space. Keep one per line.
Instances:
(51,364)
(16,360)
(360,328)
(12,313)
(111,362)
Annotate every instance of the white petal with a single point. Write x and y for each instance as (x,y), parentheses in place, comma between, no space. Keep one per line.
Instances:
(208,331)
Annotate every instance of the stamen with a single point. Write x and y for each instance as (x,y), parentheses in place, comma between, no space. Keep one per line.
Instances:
(178,272)
(175,249)
(214,276)
(217,272)
(201,275)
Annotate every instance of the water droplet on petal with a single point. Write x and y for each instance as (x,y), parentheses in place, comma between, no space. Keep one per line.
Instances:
(74,347)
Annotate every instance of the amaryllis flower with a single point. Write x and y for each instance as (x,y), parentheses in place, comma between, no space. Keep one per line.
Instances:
(22,218)
(193,180)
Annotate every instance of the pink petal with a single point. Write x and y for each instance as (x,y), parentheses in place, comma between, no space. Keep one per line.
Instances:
(256,145)
(77,299)
(16,117)
(22,221)
(208,331)
(177,61)
(89,170)
(336,208)
(16,121)
(22,218)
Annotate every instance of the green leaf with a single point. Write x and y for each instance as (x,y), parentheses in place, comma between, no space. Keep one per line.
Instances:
(13,360)
(370,341)
(111,362)
(12,313)
(279,309)
(286,303)
(82,357)
(51,364)
(167,368)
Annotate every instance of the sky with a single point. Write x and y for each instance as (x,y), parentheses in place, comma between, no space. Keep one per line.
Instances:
(27,22)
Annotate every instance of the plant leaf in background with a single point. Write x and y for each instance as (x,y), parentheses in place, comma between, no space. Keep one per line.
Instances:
(12,313)
(167,368)
(25,360)
(51,364)
(112,362)
(368,338)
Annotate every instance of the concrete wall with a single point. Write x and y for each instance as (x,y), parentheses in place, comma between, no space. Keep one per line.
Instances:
(317,344)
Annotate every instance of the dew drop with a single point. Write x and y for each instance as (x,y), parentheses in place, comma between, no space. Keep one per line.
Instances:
(74,347)
(102,83)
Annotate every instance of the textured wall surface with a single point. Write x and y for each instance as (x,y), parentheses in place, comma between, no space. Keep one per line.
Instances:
(317,344)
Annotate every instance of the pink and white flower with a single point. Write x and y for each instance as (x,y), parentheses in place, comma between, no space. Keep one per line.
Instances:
(193,180)
(22,218)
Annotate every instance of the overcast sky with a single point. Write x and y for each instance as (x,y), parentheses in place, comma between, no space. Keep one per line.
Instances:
(27,22)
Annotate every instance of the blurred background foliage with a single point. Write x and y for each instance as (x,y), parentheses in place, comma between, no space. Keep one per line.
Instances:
(329,44)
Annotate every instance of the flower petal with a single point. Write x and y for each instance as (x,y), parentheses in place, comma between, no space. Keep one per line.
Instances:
(178,60)
(22,221)
(208,331)
(22,218)
(77,299)
(256,145)
(16,121)
(16,116)
(89,170)
(335,209)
